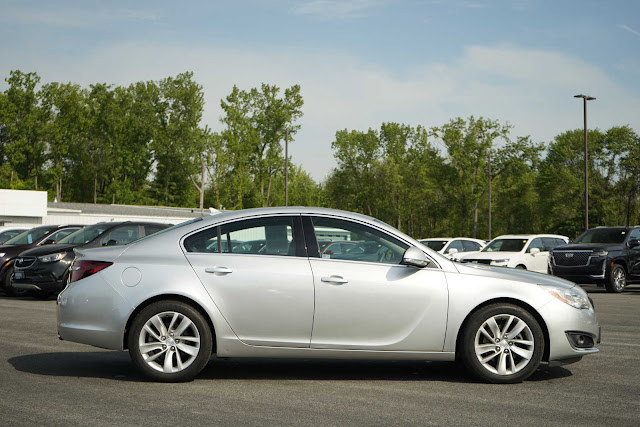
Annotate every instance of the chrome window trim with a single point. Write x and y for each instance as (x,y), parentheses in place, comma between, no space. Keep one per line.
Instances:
(229,221)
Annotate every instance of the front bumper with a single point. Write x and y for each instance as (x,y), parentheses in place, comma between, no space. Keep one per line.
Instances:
(596,271)
(563,321)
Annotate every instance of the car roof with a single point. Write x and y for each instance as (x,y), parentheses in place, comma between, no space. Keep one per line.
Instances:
(528,236)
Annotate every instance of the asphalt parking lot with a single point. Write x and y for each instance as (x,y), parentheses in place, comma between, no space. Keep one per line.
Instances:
(45,381)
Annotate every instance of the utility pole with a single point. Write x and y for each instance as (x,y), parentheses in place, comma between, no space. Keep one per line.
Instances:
(489,173)
(286,164)
(586,98)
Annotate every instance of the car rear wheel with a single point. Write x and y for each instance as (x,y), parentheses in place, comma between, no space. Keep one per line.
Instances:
(170,341)
(502,343)
(617,279)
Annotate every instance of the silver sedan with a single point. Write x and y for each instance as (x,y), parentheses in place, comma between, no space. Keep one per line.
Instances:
(255,283)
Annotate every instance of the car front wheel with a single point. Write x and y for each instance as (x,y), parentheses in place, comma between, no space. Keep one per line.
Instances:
(617,279)
(502,343)
(170,341)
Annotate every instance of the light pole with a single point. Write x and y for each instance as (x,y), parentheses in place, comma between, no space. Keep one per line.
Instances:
(286,165)
(586,98)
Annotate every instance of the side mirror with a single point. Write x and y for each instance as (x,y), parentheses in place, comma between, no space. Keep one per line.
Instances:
(534,251)
(634,243)
(453,251)
(49,242)
(415,258)
(112,242)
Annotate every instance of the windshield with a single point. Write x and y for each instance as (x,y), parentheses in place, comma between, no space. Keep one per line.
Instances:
(436,245)
(505,245)
(603,235)
(86,234)
(28,237)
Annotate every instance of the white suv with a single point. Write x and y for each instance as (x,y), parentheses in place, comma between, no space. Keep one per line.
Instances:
(524,251)
(449,246)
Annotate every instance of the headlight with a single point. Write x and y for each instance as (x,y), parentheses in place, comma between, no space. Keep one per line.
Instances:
(600,253)
(576,298)
(52,257)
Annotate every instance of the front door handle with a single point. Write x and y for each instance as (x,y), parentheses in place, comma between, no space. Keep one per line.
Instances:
(218,270)
(336,280)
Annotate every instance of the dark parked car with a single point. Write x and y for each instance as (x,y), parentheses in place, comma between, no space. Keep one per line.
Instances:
(608,256)
(38,236)
(44,270)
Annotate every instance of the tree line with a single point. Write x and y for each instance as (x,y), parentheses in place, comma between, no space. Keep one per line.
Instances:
(145,144)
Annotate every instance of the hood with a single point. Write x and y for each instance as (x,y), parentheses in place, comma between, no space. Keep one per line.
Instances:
(514,274)
(489,255)
(48,249)
(590,247)
(12,251)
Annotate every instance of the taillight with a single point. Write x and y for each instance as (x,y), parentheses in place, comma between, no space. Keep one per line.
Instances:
(81,269)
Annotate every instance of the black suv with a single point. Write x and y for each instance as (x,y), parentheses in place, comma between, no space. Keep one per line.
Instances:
(44,270)
(608,256)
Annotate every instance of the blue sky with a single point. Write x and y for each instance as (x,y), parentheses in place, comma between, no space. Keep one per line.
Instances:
(359,62)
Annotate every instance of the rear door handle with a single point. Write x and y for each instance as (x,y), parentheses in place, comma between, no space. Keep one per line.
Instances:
(218,270)
(336,280)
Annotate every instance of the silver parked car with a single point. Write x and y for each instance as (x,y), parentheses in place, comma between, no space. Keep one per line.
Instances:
(175,297)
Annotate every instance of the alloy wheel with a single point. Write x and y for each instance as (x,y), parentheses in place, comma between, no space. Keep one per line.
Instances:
(504,344)
(169,342)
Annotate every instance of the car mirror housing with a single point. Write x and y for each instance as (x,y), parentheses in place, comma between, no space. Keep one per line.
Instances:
(415,258)
(453,251)
(634,243)
(49,242)
(534,251)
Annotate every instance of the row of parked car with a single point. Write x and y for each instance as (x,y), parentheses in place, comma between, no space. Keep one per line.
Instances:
(37,261)
(607,256)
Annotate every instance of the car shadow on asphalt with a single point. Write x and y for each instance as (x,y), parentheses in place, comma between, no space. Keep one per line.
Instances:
(116,365)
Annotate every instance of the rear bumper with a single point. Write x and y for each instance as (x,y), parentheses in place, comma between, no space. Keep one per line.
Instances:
(91,312)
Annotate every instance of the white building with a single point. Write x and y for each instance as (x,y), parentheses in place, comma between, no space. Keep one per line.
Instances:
(30,208)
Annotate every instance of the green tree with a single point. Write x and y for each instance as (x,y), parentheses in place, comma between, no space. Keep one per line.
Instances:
(22,121)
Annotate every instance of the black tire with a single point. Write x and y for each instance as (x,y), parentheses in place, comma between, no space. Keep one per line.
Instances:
(617,279)
(170,348)
(9,289)
(521,367)
(521,267)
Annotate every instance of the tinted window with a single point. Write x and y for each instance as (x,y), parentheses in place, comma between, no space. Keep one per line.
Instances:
(635,234)
(263,236)
(536,243)
(551,243)
(603,235)
(9,234)
(28,237)
(436,245)
(121,235)
(86,234)
(470,245)
(456,244)
(505,245)
(61,234)
(153,228)
(366,243)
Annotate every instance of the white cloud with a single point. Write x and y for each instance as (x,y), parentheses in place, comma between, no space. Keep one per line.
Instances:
(629,29)
(335,9)
(531,89)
